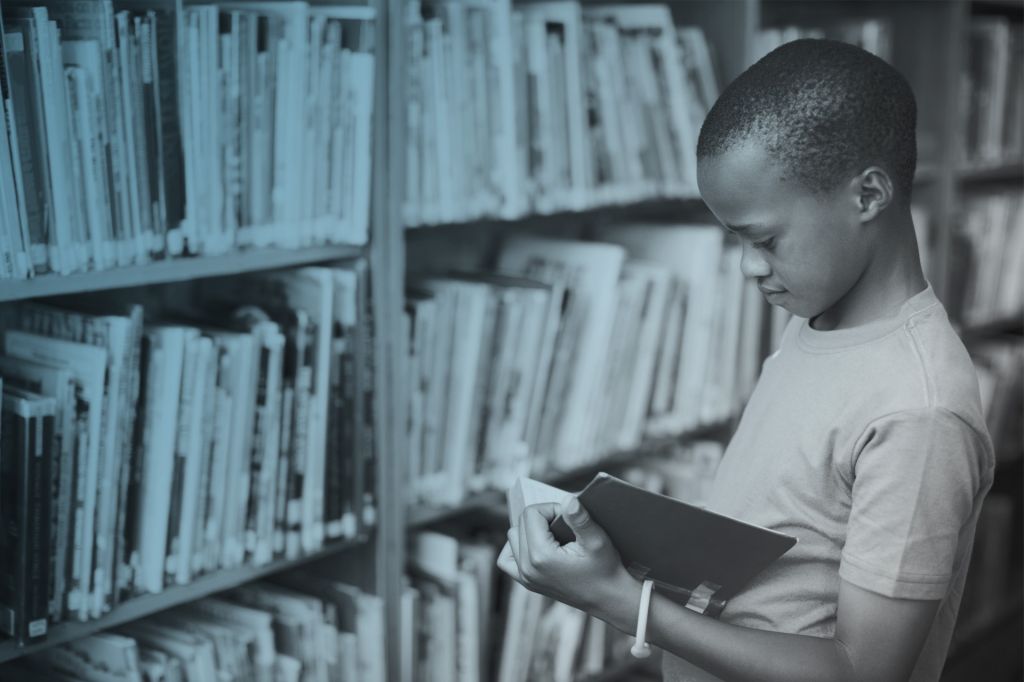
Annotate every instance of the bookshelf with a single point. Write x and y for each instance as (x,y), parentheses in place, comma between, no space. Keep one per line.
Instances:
(365,560)
(141,607)
(424,515)
(943,183)
(172,270)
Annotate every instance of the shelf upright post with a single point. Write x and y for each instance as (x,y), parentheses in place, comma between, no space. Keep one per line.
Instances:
(955,28)
(388,275)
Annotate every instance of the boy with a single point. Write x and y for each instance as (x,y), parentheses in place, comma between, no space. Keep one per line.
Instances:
(864,437)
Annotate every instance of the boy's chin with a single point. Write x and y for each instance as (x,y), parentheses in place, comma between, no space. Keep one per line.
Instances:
(791,305)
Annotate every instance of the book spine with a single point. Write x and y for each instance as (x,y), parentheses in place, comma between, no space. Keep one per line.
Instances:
(37,483)
(333,482)
(25,510)
(367,411)
(261,430)
(185,426)
(283,470)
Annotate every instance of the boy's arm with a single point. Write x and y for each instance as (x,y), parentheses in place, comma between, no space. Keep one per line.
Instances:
(877,638)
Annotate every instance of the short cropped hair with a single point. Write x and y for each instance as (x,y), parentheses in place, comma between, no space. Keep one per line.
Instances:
(825,109)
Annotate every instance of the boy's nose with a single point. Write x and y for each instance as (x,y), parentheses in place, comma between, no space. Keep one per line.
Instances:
(752,263)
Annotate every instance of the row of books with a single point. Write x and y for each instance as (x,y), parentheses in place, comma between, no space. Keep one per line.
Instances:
(991,256)
(992,103)
(874,35)
(570,350)
(466,622)
(994,578)
(233,429)
(1000,367)
(301,628)
(147,132)
(548,106)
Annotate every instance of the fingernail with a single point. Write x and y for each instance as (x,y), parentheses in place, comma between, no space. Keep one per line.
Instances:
(573,507)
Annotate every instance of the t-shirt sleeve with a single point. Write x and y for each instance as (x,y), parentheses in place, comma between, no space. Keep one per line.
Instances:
(916,478)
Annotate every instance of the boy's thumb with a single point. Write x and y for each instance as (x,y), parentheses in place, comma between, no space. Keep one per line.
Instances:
(577,518)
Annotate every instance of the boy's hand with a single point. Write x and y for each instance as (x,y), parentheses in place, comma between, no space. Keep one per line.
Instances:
(586,573)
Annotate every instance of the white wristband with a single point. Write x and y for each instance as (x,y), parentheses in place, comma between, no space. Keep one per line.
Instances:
(641,649)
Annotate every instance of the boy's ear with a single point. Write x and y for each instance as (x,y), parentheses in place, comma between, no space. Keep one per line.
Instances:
(874,192)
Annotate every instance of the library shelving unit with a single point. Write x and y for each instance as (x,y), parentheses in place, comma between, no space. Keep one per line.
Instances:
(943,179)
(367,560)
(929,46)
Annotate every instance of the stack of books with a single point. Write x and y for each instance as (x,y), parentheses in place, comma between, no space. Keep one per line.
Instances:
(548,107)
(141,133)
(317,631)
(572,351)
(993,102)
(141,456)
(993,582)
(874,35)
(468,622)
(1000,367)
(992,257)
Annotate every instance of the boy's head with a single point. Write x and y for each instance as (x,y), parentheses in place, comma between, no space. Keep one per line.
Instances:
(803,153)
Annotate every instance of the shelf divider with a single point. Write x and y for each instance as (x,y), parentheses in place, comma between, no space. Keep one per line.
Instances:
(425,515)
(177,595)
(171,270)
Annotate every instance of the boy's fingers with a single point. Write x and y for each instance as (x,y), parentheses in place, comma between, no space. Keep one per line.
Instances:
(549,510)
(507,563)
(536,524)
(513,541)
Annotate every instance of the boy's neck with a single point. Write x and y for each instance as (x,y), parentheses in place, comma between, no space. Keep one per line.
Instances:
(892,276)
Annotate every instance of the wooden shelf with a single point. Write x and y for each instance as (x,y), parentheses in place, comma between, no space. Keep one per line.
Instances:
(637,209)
(1003,327)
(425,515)
(177,595)
(926,173)
(172,270)
(1008,170)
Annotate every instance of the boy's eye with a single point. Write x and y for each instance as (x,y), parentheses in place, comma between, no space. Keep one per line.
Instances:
(766,244)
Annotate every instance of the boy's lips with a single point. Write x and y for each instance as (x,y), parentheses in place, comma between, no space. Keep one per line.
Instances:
(767,291)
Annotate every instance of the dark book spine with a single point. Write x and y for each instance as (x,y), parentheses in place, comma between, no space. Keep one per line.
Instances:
(347,418)
(128,462)
(25,506)
(147,83)
(261,430)
(56,508)
(335,450)
(367,411)
(174,518)
(169,139)
(10,556)
(132,501)
(26,108)
(36,527)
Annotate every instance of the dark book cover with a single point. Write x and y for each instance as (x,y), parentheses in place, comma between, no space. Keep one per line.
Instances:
(25,508)
(694,554)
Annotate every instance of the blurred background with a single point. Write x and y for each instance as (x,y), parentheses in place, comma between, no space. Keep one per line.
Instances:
(290,293)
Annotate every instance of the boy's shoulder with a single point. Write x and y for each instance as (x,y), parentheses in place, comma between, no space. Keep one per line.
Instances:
(914,362)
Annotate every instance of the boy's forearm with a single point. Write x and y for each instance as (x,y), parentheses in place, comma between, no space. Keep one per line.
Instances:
(731,652)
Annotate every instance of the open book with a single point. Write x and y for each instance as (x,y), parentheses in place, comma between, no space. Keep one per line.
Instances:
(693,555)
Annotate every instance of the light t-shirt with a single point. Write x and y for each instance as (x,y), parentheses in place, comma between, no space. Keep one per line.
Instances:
(869,445)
